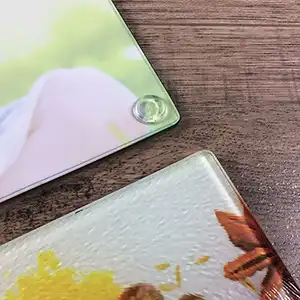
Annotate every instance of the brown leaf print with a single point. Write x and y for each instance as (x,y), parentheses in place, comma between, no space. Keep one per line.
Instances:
(247,264)
(141,291)
(239,232)
(245,233)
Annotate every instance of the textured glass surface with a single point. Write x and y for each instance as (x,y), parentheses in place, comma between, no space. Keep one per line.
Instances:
(183,230)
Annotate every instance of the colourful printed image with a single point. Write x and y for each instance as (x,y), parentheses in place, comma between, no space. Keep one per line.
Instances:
(246,234)
(70,73)
(190,236)
(193,240)
(52,281)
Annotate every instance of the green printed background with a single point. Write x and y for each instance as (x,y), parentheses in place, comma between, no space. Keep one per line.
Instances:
(37,36)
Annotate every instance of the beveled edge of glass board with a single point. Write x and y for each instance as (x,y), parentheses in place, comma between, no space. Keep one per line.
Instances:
(207,154)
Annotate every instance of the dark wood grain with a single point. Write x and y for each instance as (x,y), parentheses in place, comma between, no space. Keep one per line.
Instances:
(233,69)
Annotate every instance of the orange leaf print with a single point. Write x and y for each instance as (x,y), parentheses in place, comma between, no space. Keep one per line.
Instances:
(245,233)
(240,234)
(248,264)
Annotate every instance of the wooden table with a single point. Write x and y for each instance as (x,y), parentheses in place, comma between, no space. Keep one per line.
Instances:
(233,69)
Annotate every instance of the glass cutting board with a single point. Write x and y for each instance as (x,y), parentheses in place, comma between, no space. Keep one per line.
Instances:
(74,87)
(181,233)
